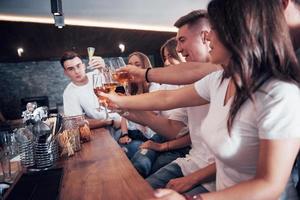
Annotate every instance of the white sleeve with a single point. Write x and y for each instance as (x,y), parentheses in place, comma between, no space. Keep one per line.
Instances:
(154,87)
(278,111)
(179,114)
(71,104)
(203,86)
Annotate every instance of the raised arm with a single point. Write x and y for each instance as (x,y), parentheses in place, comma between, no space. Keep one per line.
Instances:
(180,74)
(159,100)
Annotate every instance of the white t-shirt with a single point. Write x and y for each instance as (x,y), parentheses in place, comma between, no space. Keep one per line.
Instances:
(199,155)
(167,113)
(80,100)
(147,132)
(275,115)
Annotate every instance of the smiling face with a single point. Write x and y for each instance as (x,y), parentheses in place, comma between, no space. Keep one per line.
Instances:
(218,54)
(191,44)
(75,70)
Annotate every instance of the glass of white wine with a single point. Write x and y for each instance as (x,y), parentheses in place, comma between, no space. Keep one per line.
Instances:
(90,51)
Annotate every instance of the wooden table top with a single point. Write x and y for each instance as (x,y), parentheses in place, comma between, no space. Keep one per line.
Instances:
(102,171)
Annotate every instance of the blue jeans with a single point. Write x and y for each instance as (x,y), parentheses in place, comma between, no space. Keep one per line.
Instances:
(160,178)
(167,157)
(148,162)
(131,148)
(138,138)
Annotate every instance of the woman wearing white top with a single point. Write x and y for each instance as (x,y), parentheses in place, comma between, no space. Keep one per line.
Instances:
(253,121)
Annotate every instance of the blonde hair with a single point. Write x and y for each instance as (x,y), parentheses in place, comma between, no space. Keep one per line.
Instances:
(145,63)
(144,59)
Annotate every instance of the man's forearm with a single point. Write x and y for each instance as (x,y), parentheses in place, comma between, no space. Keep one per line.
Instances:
(203,175)
(161,125)
(98,123)
(178,143)
(181,74)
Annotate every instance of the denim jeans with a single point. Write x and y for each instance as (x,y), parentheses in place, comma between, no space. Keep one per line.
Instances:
(132,148)
(142,161)
(167,157)
(115,133)
(160,178)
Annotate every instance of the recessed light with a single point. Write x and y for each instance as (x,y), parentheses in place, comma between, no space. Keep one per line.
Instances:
(20,51)
(122,47)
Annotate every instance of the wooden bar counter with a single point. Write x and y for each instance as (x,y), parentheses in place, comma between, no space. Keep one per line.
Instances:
(102,171)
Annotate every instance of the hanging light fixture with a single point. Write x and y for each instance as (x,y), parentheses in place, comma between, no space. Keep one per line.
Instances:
(56,9)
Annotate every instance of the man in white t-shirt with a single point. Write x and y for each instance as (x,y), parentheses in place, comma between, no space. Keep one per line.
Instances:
(192,171)
(78,96)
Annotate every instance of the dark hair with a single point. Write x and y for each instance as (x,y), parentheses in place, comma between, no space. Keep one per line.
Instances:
(256,34)
(170,45)
(68,55)
(191,18)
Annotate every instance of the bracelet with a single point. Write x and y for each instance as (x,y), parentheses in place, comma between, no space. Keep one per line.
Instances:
(146,74)
(194,197)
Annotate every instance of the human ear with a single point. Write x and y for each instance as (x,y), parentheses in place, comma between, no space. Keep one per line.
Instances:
(204,36)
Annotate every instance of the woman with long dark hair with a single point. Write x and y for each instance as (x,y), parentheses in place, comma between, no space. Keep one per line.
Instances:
(252,126)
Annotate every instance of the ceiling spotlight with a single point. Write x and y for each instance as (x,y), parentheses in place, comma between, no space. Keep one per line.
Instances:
(56,9)
(122,47)
(20,51)
(59,21)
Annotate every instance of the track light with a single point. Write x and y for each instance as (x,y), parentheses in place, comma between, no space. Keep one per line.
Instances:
(56,9)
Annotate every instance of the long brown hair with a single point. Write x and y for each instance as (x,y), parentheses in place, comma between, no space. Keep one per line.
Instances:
(170,45)
(256,34)
(145,63)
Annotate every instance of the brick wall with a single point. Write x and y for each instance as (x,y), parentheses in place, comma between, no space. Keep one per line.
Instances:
(27,79)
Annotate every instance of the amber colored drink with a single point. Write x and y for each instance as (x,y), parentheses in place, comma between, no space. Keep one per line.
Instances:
(107,88)
(98,90)
(121,77)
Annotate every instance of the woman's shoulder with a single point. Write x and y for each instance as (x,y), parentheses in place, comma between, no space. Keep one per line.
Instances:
(278,89)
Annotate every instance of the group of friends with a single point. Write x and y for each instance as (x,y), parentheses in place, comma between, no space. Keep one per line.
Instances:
(221,119)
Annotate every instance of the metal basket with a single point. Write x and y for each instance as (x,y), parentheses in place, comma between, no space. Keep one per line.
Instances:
(26,154)
(39,155)
(45,154)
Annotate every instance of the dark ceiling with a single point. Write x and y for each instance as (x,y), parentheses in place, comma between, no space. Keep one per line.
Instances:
(46,42)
